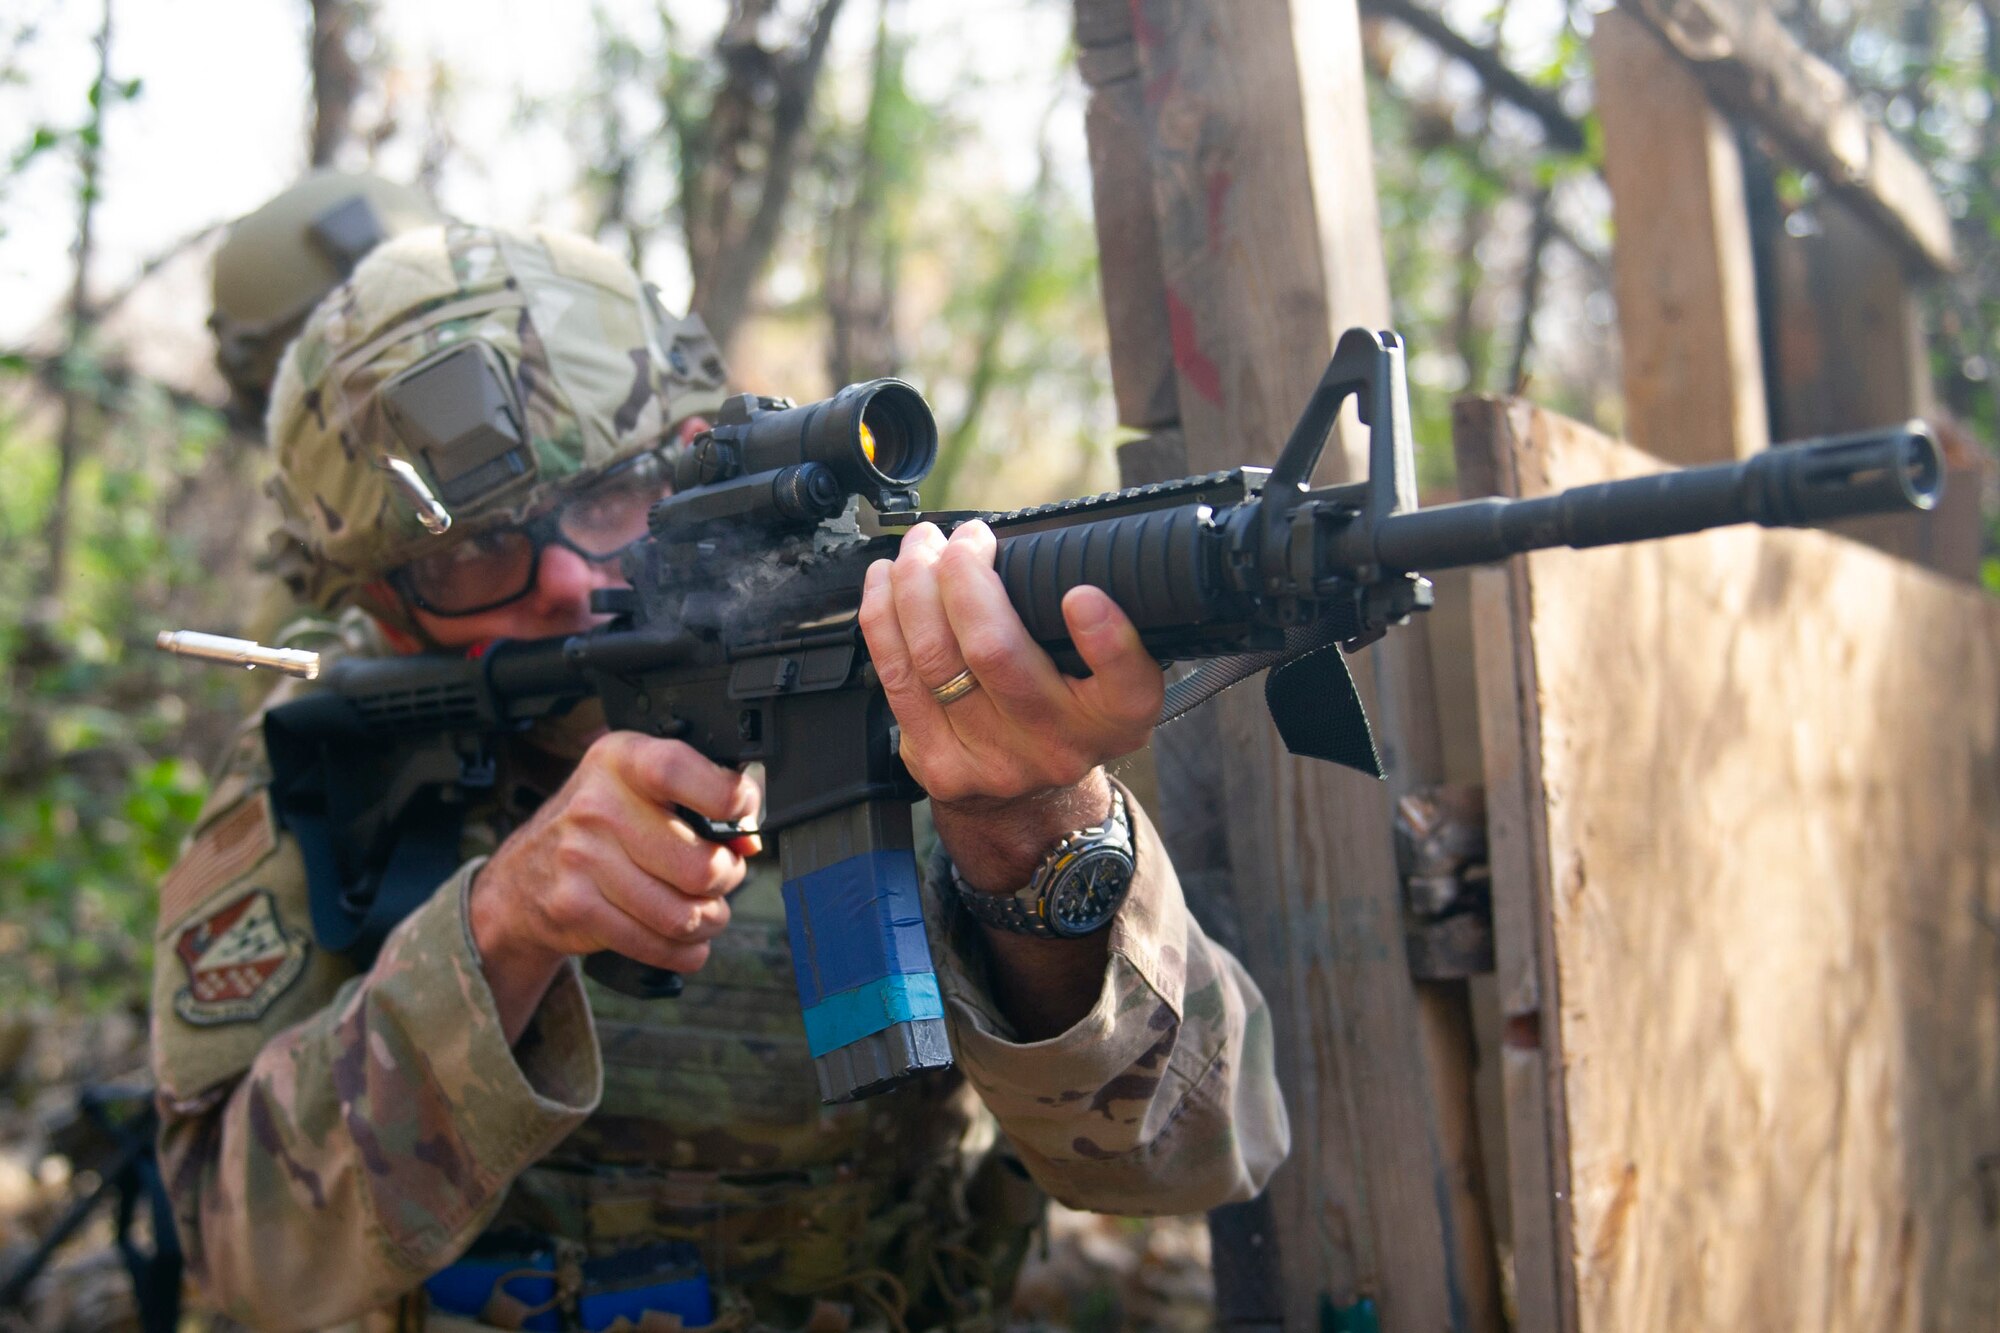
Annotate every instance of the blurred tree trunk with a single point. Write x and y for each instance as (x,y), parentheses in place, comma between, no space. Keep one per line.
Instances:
(861,259)
(79,317)
(739,160)
(1003,301)
(336,75)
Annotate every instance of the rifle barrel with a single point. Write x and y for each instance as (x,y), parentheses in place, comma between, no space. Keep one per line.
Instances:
(1791,486)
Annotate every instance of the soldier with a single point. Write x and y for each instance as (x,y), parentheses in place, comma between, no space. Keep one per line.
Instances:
(278,262)
(465,1132)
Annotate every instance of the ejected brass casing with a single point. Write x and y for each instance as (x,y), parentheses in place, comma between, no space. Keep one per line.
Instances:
(239,652)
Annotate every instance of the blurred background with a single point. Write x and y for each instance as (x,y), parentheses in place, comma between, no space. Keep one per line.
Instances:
(843,189)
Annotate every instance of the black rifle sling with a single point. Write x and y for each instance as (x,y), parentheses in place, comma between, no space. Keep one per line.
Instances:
(156,1276)
(367,867)
(133,1172)
(1309,691)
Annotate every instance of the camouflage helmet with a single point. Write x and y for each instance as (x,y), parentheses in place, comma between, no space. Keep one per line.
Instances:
(277,263)
(467,376)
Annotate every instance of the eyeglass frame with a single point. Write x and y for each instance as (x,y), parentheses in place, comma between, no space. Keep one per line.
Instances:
(542,531)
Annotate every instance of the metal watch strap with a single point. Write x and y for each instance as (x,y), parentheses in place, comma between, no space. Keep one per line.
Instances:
(1021,912)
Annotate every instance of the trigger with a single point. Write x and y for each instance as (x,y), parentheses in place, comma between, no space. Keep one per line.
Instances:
(715,830)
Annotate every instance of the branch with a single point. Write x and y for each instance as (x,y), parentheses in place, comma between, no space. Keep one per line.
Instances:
(48,370)
(723,304)
(336,78)
(862,341)
(1559,128)
(1531,289)
(69,433)
(105,308)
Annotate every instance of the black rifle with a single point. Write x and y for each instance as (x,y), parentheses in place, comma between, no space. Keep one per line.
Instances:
(739,635)
(123,1117)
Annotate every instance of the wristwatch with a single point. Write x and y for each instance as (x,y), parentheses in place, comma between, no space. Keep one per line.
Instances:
(1076,890)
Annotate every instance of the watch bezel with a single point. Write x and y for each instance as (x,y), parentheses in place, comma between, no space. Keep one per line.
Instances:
(1029,909)
(1070,878)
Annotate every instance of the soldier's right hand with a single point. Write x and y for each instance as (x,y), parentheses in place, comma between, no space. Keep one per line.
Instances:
(605,863)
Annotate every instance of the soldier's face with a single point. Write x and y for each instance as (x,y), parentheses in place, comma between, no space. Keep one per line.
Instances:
(558,603)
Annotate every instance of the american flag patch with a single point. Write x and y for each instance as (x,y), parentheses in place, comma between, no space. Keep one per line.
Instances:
(226,850)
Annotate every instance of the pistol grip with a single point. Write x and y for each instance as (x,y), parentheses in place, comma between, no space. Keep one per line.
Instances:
(642,981)
(629,976)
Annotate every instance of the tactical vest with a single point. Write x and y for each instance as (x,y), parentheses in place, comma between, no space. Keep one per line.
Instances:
(900,1211)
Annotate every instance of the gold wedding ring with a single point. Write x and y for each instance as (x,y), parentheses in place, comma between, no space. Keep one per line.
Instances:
(957,687)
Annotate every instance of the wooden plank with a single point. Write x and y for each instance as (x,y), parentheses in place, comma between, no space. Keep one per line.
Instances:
(1751,66)
(1264,198)
(1246,1248)
(1849,343)
(1851,355)
(1681,263)
(1128,238)
(1531,1057)
(1246,1244)
(1767,865)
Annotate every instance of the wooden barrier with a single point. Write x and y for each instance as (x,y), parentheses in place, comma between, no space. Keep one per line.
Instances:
(1743,795)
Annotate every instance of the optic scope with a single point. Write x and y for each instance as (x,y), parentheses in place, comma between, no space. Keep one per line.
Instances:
(876,439)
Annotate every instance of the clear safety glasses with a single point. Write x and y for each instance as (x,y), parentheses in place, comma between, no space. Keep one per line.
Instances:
(492,568)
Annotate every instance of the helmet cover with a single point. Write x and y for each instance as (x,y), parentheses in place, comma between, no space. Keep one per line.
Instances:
(500,368)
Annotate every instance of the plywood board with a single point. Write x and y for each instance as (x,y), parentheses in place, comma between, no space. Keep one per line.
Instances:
(1756,881)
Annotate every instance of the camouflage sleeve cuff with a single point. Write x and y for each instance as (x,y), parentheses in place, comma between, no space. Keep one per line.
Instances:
(1162,1099)
(1148,951)
(438,1057)
(558,1069)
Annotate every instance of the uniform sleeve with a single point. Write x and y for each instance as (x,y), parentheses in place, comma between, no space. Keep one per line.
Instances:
(331,1139)
(1163,1098)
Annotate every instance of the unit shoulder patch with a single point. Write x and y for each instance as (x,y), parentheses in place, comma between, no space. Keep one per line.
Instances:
(228,848)
(239,958)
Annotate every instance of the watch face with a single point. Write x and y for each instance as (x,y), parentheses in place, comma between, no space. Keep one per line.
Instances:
(1089,891)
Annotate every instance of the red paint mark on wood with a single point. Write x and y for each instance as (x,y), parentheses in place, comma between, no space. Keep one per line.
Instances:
(1146,36)
(1218,195)
(1523,1032)
(1197,370)
(1144,32)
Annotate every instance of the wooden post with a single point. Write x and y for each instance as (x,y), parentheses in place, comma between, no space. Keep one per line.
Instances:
(1849,340)
(1753,68)
(1851,355)
(1249,118)
(1681,265)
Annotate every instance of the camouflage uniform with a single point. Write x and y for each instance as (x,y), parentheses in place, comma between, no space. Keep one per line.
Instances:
(332,1138)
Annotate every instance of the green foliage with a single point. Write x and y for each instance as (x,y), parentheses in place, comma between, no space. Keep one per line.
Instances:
(99,781)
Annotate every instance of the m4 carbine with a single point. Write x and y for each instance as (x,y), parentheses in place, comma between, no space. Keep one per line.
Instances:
(739,635)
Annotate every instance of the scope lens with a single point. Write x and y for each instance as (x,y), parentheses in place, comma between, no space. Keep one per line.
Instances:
(898,434)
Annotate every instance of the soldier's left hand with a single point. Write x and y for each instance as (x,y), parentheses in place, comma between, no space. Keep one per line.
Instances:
(1027,729)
